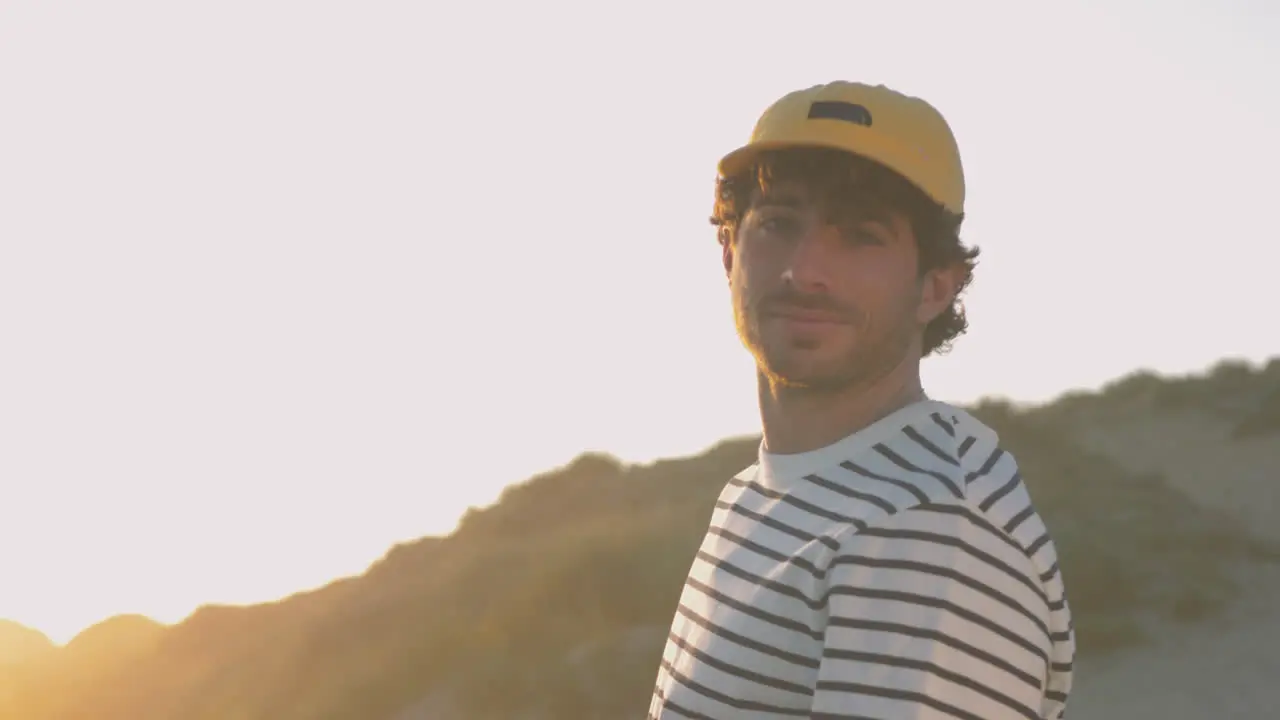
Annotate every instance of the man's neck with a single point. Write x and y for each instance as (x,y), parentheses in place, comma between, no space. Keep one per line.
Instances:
(796,420)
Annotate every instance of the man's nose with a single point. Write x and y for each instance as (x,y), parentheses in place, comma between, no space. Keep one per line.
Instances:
(810,262)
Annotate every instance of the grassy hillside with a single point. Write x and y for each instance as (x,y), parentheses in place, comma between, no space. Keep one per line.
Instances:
(554,602)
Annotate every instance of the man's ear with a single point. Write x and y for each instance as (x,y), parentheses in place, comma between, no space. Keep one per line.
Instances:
(938,288)
(726,250)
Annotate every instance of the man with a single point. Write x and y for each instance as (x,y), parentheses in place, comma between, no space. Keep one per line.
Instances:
(882,559)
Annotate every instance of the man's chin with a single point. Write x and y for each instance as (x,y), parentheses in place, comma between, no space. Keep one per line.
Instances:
(813,384)
(806,373)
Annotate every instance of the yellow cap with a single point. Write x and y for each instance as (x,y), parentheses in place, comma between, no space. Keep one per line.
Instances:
(904,133)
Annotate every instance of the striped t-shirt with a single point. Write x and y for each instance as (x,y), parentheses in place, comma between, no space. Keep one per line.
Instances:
(900,573)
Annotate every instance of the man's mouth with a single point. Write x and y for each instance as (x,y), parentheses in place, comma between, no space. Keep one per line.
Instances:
(804,315)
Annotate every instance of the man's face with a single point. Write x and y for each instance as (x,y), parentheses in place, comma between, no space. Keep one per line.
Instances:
(824,298)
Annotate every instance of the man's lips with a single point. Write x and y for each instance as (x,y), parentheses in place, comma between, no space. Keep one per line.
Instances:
(804,315)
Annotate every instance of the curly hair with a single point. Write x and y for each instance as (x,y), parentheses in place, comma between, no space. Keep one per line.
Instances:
(846,184)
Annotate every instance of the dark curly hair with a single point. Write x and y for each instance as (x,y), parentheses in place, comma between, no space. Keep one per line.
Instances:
(845,184)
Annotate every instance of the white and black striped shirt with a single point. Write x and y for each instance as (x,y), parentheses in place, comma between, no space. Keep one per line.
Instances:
(901,573)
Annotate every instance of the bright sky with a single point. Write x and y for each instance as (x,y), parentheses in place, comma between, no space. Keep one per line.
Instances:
(282,284)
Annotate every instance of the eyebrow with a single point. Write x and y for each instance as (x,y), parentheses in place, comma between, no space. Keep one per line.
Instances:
(784,200)
(864,212)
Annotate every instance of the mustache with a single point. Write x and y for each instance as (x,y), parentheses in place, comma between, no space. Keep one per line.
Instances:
(789,299)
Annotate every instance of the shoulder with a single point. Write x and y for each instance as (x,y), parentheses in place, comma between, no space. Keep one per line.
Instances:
(944,556)
(957,461)
(939,532)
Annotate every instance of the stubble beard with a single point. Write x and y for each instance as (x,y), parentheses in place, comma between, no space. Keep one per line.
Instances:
(874,353)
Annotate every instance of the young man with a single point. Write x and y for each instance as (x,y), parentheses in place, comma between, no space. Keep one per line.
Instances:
(882,559)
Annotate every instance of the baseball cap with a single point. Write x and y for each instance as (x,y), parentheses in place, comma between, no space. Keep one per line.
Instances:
(905,134)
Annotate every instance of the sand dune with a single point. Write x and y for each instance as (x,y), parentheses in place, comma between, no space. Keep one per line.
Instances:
(1226,667)
(1220,670)
(1193,453)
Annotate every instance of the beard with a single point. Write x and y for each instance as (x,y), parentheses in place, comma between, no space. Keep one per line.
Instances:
(860,350)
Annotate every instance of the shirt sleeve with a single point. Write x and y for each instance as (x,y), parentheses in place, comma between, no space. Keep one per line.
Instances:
(933,613)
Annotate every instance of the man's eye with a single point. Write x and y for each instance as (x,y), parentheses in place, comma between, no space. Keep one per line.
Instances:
(862,236)
(778,225)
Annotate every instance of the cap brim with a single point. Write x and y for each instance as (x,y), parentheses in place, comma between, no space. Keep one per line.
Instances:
(742,158)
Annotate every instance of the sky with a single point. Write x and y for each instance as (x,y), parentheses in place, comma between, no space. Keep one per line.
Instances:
(285,283)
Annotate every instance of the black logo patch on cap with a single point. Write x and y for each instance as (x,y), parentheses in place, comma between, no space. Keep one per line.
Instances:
(847,112)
